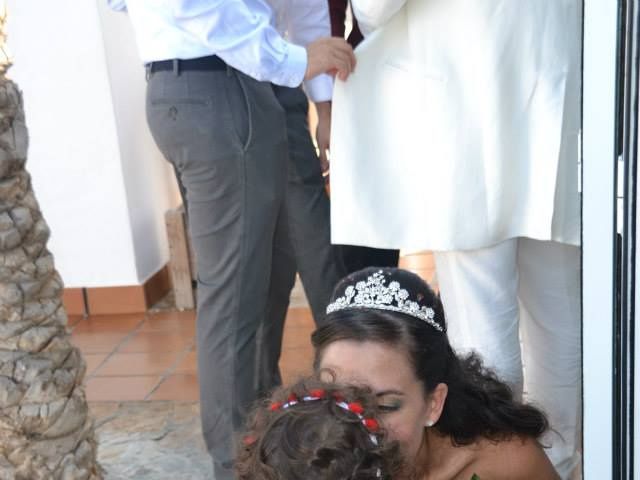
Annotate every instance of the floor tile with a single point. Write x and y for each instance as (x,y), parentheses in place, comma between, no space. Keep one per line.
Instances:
(104,342)
(93,361)
(170,321)
(109,323)
(428,275)
(72,320)
(423,260)
(298,298)
(119,389)
(296,362)
(148,363)
(188,364)
(182,387)
(157,342)
(127,355)
(297,337)
(299,317)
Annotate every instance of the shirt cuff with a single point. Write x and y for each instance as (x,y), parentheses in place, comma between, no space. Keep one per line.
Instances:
(293,68)
(320,88)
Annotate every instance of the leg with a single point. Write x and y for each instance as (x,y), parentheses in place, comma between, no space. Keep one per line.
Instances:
(225,134)
(479,292)
(550,296)
(308,207)
(283,276)
(356,258)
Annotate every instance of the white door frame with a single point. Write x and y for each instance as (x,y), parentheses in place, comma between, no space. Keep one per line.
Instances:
(598,222)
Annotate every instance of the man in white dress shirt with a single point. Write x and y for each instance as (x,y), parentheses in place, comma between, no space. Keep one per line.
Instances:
(216,118)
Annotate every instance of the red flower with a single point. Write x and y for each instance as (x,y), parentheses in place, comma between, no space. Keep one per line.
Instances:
(249,440)
(371,424)
(292,398)
(319,393)
(275,406)
(355,407)
(338,397)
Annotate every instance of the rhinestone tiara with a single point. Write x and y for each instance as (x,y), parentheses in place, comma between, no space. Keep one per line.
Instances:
(374,294)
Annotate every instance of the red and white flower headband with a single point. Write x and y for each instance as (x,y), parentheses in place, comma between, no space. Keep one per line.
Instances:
(356,408)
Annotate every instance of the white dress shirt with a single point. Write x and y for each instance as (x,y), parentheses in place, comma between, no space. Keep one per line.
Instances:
(301,22)
(246,34)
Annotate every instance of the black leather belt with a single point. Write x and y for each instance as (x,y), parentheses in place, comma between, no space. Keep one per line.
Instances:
(211,62)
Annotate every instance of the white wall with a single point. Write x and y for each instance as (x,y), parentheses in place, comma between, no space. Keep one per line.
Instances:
(149,180)
(99,179)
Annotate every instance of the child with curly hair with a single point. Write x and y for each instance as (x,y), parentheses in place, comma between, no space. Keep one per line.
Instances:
(315,430)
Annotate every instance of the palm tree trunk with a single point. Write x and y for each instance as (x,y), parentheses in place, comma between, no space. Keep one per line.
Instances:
(45,428)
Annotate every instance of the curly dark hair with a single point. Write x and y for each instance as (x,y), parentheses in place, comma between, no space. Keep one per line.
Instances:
(478,404)
(316,440)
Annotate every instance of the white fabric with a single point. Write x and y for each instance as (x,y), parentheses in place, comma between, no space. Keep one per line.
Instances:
(529,290)
(459,127)
(373,14)
(244,33)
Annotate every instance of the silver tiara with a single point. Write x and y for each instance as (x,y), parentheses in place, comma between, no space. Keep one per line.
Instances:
(376,295)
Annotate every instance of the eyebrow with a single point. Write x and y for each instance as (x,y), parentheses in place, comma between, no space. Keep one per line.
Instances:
(389,392)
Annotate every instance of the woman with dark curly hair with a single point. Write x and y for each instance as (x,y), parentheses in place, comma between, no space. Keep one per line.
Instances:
(453,419)
(317,431)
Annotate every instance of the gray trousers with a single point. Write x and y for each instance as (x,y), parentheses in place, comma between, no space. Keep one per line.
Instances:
(310,252)
(226,136)
(318,263)
(225,133)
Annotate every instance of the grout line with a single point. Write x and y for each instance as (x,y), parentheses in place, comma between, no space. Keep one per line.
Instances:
(171,369)
(100,365)
(126,338)
(130,335)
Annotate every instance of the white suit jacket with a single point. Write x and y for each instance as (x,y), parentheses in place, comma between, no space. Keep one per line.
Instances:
(459,127)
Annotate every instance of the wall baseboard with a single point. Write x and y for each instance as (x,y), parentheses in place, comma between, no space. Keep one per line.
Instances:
(120,299)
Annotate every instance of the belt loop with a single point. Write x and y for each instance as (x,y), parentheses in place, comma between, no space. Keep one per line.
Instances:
(176,67)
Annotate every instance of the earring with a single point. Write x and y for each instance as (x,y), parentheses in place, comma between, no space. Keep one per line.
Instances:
(429,424)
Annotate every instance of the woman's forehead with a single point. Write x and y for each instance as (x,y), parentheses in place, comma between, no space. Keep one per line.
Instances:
(380,366)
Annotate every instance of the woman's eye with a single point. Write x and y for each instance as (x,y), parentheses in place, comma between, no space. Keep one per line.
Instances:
(387,408)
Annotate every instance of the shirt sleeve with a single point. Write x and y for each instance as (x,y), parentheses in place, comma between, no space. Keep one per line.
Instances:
(373,14)
(307,21)
(117,5)
(243,39)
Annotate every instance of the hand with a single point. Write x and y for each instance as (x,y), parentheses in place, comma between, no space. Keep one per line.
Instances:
(330,55)
(323,134)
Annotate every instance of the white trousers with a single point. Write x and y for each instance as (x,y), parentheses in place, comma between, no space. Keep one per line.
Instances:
(518,305)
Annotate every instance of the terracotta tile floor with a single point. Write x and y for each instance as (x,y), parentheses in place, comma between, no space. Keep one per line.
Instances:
(151,356)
